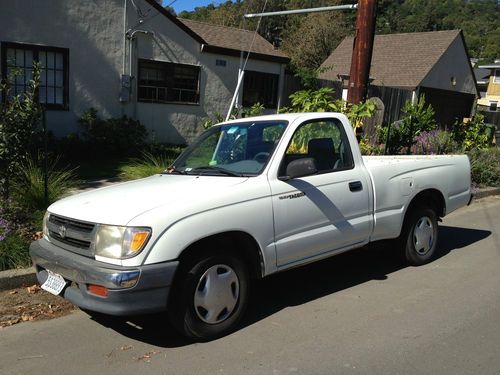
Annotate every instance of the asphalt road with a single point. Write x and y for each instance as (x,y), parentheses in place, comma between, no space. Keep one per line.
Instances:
(357,313)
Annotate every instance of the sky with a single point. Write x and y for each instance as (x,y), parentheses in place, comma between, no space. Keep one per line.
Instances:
(188,5)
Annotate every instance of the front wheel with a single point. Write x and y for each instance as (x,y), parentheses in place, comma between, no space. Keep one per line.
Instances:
(211,297)
(420,236)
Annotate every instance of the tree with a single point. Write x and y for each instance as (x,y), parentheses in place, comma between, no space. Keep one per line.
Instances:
(317,35)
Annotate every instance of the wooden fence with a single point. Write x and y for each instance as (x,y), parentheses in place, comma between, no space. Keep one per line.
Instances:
(393,99)
(491,118)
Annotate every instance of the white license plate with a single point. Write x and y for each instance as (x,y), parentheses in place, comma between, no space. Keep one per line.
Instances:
(54,284)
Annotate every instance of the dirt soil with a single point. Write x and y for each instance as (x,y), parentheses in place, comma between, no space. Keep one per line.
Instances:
(30,303)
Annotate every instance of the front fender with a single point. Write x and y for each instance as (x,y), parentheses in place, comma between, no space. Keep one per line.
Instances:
(254,217)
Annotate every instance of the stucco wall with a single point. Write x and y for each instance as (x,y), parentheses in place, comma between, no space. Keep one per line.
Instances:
(93,31)
(453,63)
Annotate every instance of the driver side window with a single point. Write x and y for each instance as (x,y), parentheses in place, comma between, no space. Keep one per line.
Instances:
(325,141)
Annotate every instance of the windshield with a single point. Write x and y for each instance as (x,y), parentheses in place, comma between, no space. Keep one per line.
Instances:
(240,149)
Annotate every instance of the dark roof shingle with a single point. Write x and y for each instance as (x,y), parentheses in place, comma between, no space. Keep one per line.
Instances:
(399,60)
(231,38)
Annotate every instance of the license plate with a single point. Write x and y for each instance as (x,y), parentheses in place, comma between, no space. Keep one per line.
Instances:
(54,284)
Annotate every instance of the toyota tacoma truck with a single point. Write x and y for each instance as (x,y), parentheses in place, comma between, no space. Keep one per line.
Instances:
(248,198)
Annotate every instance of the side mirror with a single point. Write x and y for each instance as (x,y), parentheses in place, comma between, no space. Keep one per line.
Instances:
(300,168)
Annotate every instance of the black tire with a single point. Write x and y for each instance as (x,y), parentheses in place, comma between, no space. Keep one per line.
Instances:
(420,236)
(187,313)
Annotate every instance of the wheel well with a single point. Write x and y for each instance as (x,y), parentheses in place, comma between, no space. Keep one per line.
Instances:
(431,198)
(237,242)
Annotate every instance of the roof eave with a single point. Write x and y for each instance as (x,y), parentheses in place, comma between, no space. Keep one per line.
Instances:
(174,19)
(490,66)
(254,55)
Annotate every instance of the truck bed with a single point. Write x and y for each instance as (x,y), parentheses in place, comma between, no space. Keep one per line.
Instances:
(396,179)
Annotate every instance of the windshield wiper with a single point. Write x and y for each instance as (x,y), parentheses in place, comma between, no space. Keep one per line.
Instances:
(173,170)
(218,170)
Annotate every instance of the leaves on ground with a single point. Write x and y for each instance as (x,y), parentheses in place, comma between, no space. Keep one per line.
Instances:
(30,303)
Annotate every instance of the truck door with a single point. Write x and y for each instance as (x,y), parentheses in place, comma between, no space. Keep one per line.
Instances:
(324,212)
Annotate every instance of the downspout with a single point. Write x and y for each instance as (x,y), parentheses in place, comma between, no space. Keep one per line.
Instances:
(131,37)
(124,60)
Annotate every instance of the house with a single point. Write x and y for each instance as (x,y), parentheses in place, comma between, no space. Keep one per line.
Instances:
(134,58)
(434,64)
(491,100)
(482,80)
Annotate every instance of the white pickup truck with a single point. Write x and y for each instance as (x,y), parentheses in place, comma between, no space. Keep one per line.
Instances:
(248,198)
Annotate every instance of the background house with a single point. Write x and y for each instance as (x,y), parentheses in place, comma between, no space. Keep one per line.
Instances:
(434,64)
(133,58)
(482,80)
(491,100)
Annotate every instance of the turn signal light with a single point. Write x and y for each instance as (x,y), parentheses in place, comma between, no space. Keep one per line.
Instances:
(138,240)
(98,290)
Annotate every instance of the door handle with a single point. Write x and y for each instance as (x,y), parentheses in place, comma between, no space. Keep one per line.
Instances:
(355,186)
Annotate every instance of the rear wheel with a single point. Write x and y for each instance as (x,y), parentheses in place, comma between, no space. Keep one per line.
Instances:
(210,297)
(420,236)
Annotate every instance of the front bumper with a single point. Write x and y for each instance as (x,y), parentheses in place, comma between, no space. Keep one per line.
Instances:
(149,293)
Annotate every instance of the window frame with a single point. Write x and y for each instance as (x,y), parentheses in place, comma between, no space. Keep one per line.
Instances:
(343,136)
(276,78)
(169,68)
(36,49)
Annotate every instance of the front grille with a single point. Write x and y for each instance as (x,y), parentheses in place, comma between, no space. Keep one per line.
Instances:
(73,235)
(73,224)
(70,241)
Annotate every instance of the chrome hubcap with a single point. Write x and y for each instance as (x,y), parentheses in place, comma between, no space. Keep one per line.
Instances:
(423,235)
(216,294)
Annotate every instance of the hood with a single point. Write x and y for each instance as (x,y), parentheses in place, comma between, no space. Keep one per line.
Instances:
(119,204)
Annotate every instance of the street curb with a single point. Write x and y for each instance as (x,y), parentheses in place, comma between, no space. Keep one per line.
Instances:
(12,279)
(486,192)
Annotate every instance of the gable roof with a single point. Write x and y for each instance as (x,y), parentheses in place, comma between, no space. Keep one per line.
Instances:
(224,40)
(231,41)
(399,60)
(482,75)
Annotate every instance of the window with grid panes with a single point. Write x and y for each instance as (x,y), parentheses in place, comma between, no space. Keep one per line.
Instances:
(163,82)
(19,58)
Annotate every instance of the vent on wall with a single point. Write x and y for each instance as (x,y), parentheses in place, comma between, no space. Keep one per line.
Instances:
(220,62)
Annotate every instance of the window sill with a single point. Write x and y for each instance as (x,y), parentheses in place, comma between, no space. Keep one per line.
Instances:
(55,107)
(174,103)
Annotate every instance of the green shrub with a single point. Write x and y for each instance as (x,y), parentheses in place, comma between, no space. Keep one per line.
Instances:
(370,149)
(14,252)
(115,136)
(256,110)
(145,166)
(28,185)
(485,166)
(402,134)
(166,150)
(473,134)
(320,100)
(19,119)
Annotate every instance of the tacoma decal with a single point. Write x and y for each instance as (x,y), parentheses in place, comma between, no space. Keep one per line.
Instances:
(293,196)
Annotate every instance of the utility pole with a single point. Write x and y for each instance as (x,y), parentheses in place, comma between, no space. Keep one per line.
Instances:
(362,51)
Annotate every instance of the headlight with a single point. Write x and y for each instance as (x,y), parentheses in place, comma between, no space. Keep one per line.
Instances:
(120,242)
(45,228)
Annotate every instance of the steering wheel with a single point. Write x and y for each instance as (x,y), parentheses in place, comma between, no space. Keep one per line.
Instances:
(261,157)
